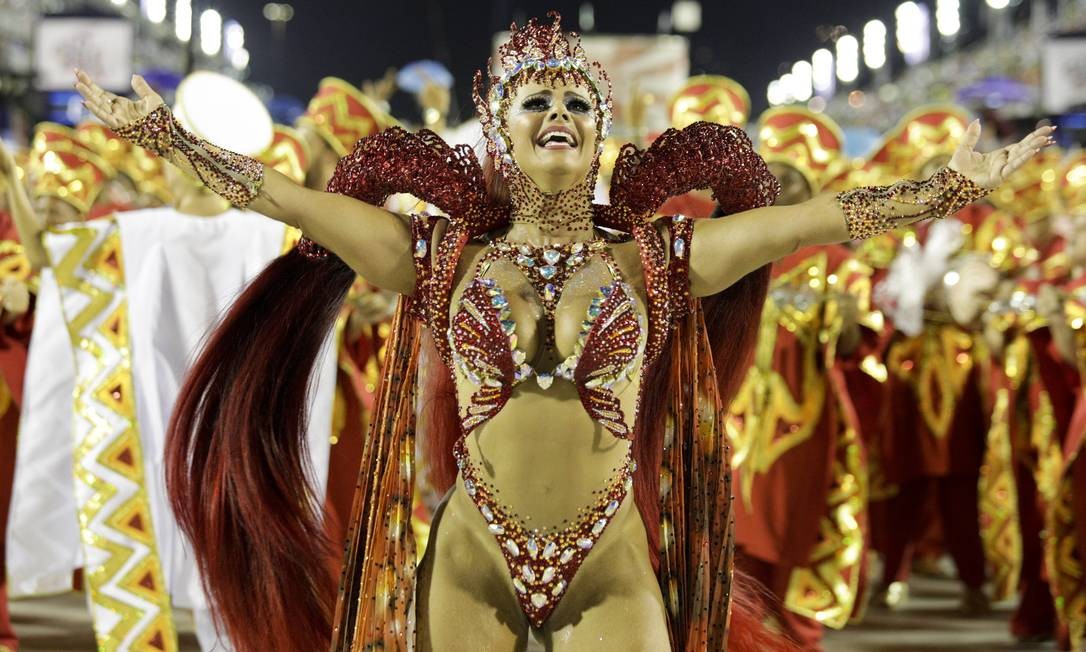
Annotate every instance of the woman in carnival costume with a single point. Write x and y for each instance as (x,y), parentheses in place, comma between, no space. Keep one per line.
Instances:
(571,397)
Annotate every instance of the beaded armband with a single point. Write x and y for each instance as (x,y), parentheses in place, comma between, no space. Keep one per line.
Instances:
(872,210)
(233,177)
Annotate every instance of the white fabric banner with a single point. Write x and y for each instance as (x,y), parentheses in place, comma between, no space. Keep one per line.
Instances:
(182,274)
(43,531)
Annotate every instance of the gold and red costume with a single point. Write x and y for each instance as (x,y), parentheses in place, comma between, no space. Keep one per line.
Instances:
(143,170)
(1066,518)
(1032,405)
(931,440)
(800,478)
(14,340)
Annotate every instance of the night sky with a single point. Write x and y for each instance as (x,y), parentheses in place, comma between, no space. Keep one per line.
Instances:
(749,40)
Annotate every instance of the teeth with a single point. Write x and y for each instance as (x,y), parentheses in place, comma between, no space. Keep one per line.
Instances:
(557,137)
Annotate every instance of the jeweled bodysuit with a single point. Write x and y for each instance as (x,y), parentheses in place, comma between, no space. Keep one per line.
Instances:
(483,342)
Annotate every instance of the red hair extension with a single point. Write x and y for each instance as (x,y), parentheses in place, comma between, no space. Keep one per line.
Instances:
(236,460)
(439,414)
(751,605)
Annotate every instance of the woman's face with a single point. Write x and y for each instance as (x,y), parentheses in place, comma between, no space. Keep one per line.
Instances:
(553,131)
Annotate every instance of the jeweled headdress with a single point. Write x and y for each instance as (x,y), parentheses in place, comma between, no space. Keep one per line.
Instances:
(532,53)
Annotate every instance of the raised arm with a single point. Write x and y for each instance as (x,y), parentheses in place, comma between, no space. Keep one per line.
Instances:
(27,222)
(754,238)
(373,241)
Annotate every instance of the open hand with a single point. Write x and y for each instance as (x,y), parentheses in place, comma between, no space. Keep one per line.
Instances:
(989,170)
(116,111)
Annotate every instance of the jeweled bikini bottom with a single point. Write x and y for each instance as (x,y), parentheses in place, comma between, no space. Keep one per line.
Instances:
(543,561)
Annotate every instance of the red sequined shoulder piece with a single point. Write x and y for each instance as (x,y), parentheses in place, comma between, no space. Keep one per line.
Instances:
(703,155)
(424,165)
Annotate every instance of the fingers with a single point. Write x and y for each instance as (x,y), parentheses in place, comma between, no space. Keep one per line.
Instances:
(89,88)
(971,136)
(142,88)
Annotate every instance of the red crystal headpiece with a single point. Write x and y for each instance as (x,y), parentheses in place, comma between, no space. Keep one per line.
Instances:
(537,52)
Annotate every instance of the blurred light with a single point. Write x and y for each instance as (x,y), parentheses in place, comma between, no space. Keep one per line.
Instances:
(182,19)
(686,15)
(210,32)
(239,58)
(233,36)
(278,12)
(817,104)
(856,99)
(913,32)
(788,86)
(948,17)
(822,71)
(586,17)
(802,76)
(848,58)
(154,10)
(875,44)
(120,3)
(663,22)
(775,94)
(998,4)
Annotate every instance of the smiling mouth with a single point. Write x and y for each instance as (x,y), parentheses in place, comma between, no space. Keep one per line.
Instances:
(557,139)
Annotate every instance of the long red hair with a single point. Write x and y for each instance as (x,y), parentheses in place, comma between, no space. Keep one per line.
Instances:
(236,462)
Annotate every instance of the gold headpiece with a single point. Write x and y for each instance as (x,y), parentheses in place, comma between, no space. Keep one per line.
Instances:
(712,98)
(924,134)
(138,164)
(342,115)
(61,166)
(287,154)
(536,52)
(810,142)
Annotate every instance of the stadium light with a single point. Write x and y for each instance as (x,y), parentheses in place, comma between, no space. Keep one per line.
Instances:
(948,17)
(210,32)
(875,44)
(913,36)
(848,58)
(822,71)
(182,20)
(154,10)
(802,78)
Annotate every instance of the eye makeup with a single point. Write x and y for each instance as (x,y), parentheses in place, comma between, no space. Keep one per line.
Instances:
(542,102)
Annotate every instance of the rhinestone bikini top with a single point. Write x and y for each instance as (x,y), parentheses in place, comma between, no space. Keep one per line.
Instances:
(484,341)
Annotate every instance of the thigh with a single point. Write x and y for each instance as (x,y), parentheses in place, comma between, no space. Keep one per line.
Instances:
(614,600)
(464,599)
